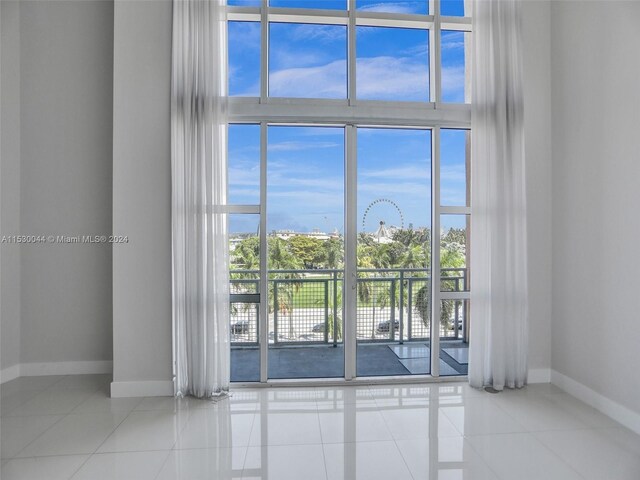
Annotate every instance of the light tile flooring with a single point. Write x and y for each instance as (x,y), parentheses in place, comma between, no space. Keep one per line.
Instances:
(67,427)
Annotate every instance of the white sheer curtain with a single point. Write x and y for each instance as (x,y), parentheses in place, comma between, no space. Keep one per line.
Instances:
(499,333)
(199,234)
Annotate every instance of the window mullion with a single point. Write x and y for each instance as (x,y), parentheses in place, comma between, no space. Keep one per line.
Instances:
(264,51)
(263,317)
(351,54)
(437,55)
(435,255)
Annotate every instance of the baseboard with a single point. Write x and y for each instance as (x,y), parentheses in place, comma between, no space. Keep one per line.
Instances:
(158,388)
(56,368)
(539,375)
(619,413)
(9,373)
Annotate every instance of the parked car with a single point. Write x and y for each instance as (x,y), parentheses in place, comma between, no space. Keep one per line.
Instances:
(241,327)
(383,327)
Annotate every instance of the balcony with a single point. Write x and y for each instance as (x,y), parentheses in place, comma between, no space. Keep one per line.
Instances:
(305,323)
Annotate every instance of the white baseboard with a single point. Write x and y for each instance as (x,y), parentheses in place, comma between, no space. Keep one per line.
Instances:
(9,373)
(56,368)
(157,388)
(539,375)
(619,413)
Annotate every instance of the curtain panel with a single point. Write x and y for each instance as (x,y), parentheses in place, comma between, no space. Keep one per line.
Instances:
(199,180)
(499,334)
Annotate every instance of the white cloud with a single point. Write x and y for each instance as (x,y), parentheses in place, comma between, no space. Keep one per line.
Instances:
(405,172)
(393,7)
(378,78)
(324,81)
(297,199)
(381,78)
(402,189)
(241,176)
(389,78)
(319,33)
(244,35)
(290,146)
(450,196)
(245,192)
(316,184)
(453,173)
(453,81)
(452,40)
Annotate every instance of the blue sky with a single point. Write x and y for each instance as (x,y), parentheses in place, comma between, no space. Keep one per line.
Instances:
(305,164)
(309,61)
(305,176)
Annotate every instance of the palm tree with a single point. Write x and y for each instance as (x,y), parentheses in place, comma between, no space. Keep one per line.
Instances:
(335,313)
(280,258)
(245,256)
(423,306)
(333,252)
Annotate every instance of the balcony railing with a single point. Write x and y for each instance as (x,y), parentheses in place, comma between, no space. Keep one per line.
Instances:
(305,306)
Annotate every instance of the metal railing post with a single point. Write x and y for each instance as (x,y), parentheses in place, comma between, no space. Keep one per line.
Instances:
(392,326)
(275,311)
(401,329)
(326,311)
(409,307)
(335,308)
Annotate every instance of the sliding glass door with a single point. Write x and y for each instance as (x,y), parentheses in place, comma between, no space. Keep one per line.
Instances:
(393,251)
(335,235)
(305,271)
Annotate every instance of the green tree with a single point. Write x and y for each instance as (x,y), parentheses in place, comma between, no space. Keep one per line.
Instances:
(281,258)
(246,254)
(307,250)
(452,255)
(333,256)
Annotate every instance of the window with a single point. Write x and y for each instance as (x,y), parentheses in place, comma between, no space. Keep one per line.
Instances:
(349,164)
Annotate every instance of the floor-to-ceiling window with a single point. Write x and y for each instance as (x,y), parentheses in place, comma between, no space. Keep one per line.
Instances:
(349,188)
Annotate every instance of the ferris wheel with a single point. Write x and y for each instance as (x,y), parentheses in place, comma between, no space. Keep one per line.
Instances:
(380,214)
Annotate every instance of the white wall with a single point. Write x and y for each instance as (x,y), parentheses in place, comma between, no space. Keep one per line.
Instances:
(10,184)
(66,130)
(142,198)
(596,199)
(537,87)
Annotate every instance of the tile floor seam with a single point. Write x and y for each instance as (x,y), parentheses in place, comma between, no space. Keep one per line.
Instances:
(62,417)
(484,460)
(246,451)
(324,457)
(246,447)
(558,456)
(404,460)
(532,432)
(80,466)
(562,461)
(164,462)
(507,414)
(111,433)
(570,414)
(89,398)
(43,414)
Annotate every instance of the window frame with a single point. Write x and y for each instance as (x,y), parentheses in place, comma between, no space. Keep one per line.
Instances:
(352,113)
